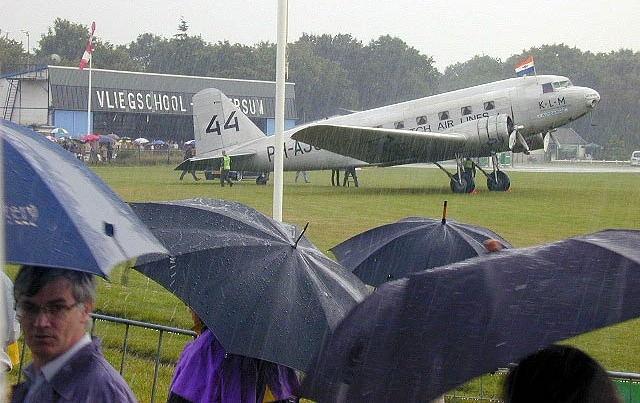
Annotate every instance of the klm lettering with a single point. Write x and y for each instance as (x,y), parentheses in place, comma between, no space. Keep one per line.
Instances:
(551,103)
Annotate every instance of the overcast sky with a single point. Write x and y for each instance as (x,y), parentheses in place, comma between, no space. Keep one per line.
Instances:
(450,31)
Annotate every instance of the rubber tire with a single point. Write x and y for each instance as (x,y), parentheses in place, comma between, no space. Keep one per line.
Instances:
(501,182)
(465,186)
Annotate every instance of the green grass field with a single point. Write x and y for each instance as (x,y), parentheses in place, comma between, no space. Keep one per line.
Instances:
(540,208)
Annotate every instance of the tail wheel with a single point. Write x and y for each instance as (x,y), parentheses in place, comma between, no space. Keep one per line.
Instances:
(466,184)
(498,182)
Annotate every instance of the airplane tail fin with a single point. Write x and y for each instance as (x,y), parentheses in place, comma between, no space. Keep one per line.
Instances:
(218,124)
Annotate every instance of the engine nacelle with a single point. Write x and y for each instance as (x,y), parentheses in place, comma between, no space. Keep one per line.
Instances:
(486,135)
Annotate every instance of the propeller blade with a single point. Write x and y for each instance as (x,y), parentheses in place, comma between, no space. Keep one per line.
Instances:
(547,139)
(512,139)
(522,142)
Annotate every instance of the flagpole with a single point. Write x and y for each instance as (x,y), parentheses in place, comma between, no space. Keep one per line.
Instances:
(86,58)
(89,101)
(278,163)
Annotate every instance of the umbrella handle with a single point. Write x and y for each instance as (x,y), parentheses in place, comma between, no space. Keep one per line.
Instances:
(444,213)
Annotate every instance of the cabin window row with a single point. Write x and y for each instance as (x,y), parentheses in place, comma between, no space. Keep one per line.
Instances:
(444,115)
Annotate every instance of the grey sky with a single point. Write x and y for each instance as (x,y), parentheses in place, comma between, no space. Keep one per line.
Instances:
(450,31)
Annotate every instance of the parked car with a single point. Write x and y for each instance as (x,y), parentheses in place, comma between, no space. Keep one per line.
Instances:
(635,158)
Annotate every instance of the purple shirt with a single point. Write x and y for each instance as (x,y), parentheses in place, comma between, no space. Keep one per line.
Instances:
(86,377)
(205,373)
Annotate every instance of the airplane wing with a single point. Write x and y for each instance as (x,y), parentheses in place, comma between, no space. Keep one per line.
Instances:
(384,146)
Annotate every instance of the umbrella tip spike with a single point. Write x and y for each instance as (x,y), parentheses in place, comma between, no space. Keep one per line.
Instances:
(444,213)
(295,245)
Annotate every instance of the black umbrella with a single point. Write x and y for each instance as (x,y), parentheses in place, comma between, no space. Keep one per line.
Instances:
(262,288)
(416,338)
(395,250)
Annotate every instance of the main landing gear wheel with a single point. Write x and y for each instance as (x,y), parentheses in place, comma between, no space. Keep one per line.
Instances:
(464,185)
(498,181)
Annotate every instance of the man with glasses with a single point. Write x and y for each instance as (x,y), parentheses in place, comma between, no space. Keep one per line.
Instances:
(53,307)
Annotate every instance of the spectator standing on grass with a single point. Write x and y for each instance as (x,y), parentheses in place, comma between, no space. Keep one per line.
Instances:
(189,152)
(350,171)
(335,177)
(305,175)
(54,307)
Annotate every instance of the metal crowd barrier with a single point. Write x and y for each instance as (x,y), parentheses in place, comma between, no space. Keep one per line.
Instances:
(628,384)
(125,342)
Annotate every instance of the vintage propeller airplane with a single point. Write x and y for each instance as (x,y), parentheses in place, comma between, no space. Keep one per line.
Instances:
(517,114)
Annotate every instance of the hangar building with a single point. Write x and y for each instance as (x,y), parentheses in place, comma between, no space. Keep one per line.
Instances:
(132,104)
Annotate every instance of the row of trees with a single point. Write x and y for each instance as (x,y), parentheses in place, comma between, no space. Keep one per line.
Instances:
(332,71)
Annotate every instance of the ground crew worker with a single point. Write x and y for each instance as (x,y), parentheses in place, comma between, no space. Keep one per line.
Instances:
(225,167)
(469,167)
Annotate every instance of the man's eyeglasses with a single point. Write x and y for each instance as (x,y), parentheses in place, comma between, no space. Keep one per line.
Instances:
(29,311)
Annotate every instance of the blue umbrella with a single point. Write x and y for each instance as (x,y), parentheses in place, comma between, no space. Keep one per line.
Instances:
(60,214)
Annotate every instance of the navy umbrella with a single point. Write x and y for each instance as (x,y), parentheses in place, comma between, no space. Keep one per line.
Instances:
(395,250)
(416,338)
(60,214)
(262,288)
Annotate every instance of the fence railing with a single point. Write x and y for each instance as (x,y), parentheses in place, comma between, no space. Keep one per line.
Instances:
(627,383)
(127,324)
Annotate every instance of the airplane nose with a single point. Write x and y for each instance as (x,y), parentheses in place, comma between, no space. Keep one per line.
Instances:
(592,98)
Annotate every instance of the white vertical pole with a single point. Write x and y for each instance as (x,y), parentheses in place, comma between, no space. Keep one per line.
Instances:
(89,98)
(278,163)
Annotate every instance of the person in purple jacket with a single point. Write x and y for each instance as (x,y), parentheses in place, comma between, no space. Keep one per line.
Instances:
(206,373)
(53,307)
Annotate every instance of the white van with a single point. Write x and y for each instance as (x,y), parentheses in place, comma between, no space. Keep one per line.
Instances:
(635,158)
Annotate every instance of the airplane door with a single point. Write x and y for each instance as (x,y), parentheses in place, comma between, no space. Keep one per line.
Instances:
(520,112)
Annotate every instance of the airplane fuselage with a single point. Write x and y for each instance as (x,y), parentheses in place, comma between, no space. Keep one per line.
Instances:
(534,105)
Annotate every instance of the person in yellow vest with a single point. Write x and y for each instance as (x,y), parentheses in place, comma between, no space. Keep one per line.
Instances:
(225,167)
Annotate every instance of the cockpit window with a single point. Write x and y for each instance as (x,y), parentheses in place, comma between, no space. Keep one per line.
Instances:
(555,86)
(562,84)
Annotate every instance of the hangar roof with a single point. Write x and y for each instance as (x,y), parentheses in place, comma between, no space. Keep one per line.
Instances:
(71,76)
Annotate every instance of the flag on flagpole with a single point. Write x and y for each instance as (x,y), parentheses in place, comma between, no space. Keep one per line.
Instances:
(87,53)
(525,67)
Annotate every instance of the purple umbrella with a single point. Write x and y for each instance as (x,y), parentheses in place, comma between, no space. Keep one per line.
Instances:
(395,250)
(416,338)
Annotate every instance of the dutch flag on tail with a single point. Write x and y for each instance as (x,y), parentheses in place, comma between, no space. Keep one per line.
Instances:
(525,67)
